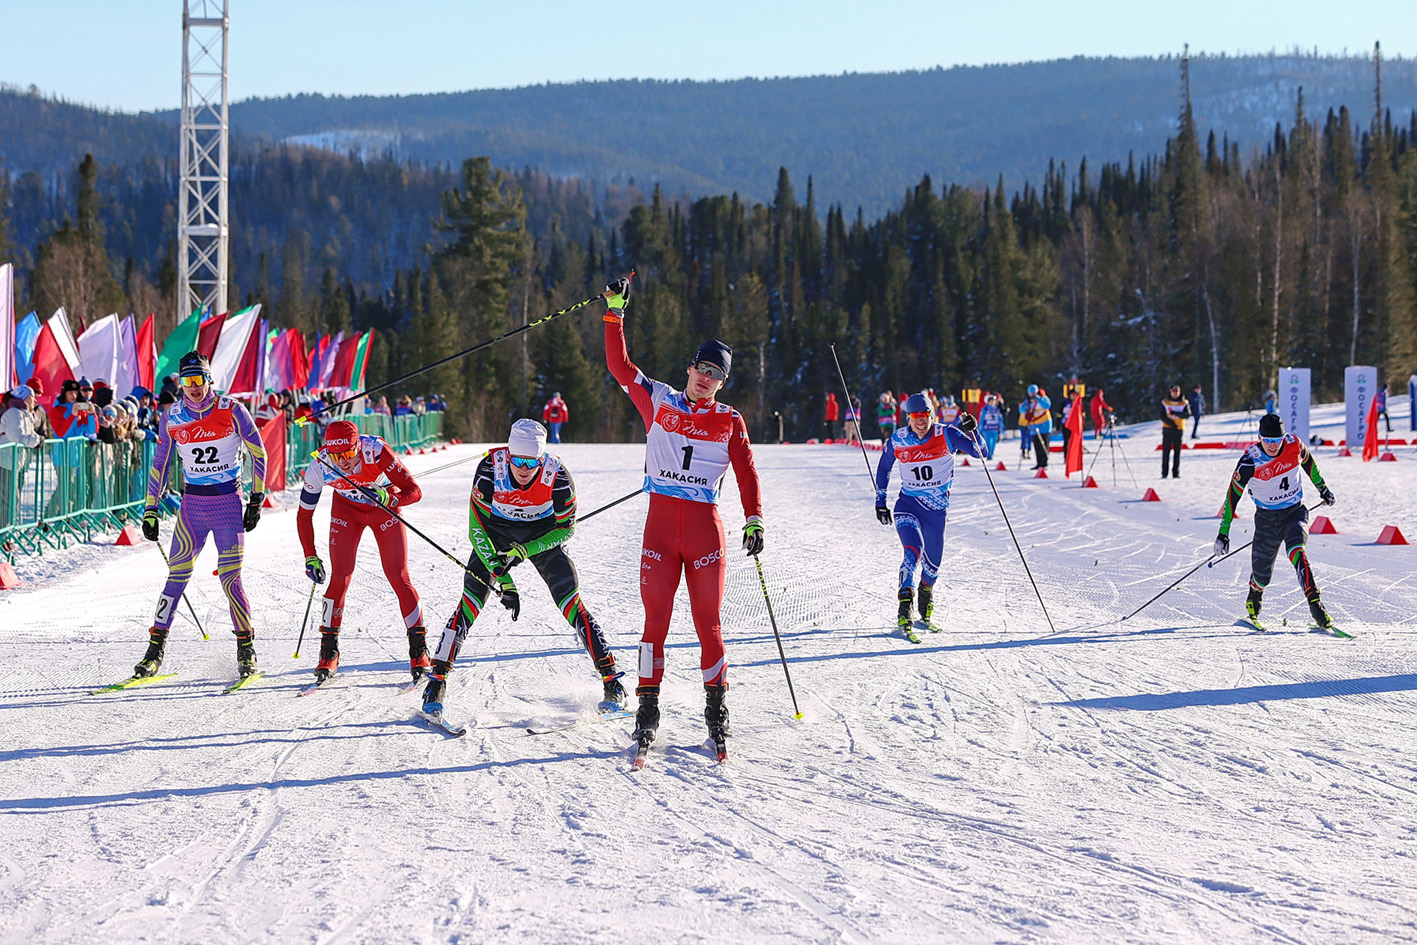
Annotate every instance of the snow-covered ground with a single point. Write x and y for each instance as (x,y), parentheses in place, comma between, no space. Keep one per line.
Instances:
(1173,777)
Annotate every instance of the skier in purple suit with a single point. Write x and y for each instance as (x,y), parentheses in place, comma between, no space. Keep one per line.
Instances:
(208,433)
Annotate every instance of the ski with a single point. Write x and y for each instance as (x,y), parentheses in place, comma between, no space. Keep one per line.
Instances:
(404,688)
(436,720)
(131,682)
(1254,624)
(641,756)
(1333,629)
(908,628)
(316,687)
(242,683)
(720,749)
(601,716)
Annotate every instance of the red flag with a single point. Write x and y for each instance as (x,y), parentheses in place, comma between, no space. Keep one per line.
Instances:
(50,366)
(344,362)
(1072,462)
(147,354)
(1370,437)
(248,379)
(209,334)
(299,360)
(273,438)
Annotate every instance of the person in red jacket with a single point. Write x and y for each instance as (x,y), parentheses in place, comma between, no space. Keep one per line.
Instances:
(553,415)
(1101,410)
(691,441)
(833,413)
(347,461)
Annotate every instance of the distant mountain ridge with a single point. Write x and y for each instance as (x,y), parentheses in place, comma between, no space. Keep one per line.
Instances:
(863,138)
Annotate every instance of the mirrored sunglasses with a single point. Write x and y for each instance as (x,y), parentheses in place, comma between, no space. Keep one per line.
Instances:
(526,462)
(711,370)
(920,416)
(344,455)
(192,380)
(1272,440)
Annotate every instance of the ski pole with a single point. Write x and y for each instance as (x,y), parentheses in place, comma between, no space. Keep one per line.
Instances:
(190,609)
(304,622)
(1210,562)
(860,441)
(461,354)
(796,712)
(609,505)
(1004,512)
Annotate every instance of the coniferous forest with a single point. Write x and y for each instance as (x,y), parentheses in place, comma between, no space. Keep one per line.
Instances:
(1200,263)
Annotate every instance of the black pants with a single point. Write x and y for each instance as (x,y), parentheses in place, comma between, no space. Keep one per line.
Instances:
(1171,447)
(1040,448)
(1287,526)
(559,573)
(1195,426)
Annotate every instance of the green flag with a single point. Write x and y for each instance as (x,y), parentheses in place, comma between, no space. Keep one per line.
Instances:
(361,360)
(182,340)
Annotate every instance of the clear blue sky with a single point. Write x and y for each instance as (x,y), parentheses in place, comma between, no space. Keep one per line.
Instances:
(126,54)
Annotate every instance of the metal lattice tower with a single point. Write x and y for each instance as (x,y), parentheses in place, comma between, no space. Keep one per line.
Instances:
(201,199)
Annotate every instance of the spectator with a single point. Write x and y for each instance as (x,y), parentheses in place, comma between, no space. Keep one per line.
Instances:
(1101,413)
(16,427)
(1380,399)
(287,405)
(106,416)
(991,424)
(833,418)
(1174,411)
(419,407)
(1271,402)
(948,411)
(853,421)
(403,408)
(1039,412)
(553,415)
(382,406)
(886,409)
(1196,401)
(85,390)
(438,403)
(268,408)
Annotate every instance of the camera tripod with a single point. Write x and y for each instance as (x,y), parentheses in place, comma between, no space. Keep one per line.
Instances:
(1113,448)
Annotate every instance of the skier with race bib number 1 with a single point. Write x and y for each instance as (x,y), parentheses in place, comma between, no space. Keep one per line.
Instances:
(350,460)
(208,432)
(925,450)
(1273,471)
(691,441)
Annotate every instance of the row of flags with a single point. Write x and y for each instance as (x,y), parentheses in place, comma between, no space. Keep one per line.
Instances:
(247,355)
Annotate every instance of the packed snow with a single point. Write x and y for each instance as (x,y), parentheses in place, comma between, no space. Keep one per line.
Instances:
(1171,777)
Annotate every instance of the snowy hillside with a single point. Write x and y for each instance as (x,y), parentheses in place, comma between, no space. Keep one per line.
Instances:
(1173,777)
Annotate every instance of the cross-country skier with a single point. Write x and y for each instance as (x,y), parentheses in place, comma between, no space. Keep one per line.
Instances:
(208,432)
(1273,471)
(348,460)
(691,441)
(925,450)
(523,508)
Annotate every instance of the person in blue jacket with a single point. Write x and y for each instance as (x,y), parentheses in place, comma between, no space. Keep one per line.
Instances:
(991,424)
(924,450)
(1039,414)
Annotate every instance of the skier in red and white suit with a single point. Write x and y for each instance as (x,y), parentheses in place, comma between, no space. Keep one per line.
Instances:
(691,441)
(348,460)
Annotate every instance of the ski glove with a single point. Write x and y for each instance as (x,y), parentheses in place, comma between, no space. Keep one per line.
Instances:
(753,536)
(515,554)
(315,569)
(883,515)
(1222,546)
(966,422)
(253,511)
(512,601)
(1326,494)
(150,524)
(386,498)
(617,294)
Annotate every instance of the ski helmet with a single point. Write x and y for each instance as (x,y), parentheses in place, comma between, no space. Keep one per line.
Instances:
(1271,425)
(917,403)
(194,364)
(528,438)
(341,437)
(1032,389)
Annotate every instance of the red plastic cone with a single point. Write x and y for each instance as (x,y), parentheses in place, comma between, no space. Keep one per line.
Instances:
(1387,458)
(8,577)
(1345,452)
(1391,536)
(1089,483)
(966,461)
(1151,496)
(268,504)
(1001,467)
(1041,474)
(1323,525)
(130,535)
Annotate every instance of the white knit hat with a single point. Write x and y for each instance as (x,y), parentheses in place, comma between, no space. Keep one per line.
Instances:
(21,392)
(528,438)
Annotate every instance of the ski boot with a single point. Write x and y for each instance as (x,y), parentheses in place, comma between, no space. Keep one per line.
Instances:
(1321,617)
(716,717)
(925,603)
(418,662)
(614,692)
(152,659)
(902,619)
(1253,602)
(647,716)
(329,654)
(437,683)
(246,656)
